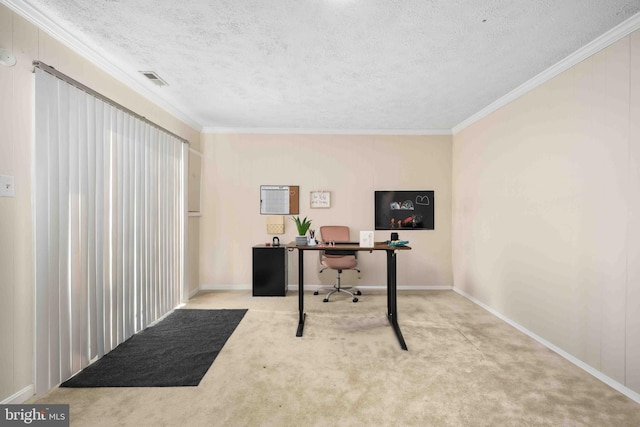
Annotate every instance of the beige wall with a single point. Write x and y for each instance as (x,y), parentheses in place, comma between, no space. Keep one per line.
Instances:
(351,167)
(16,254)
(28,43)
(545,210)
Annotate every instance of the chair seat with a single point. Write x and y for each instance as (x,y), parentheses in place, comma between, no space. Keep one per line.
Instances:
(339,263)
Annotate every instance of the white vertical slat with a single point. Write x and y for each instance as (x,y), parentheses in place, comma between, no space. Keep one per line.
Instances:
(160,226)
(163,221)
(117,229)
(111,298)
(59,234)
(73,292)
(92,285)
(126,227)
(177,179)
(174,223)
(41,234)
(144,264)
(124,231)
(130,235)
(154,232)
(143,256)
(177,173)
(98,331)
(169,225)
(184,239)
(82,345)
(139,220)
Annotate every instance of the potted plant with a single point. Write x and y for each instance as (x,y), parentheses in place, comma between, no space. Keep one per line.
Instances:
(303,227)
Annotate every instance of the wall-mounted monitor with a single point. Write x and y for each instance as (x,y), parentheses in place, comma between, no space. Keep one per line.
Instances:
(404,210)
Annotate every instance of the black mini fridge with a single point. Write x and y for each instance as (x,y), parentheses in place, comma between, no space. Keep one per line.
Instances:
(270,278)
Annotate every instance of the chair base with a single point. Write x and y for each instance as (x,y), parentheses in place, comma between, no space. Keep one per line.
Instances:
(338,288)
(335,289)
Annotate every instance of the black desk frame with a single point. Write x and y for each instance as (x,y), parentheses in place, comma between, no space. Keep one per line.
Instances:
(392,297)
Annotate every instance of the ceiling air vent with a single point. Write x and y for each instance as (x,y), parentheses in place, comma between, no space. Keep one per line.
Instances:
(154,78)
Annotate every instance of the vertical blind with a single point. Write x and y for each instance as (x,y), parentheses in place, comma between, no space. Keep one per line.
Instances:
(109,227)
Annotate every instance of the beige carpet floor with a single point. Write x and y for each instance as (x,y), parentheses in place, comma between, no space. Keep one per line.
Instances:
(464,367)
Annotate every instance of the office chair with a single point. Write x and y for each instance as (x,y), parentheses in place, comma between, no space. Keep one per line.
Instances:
(338,260)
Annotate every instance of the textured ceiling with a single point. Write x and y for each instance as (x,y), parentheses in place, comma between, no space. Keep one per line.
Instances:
(406,65)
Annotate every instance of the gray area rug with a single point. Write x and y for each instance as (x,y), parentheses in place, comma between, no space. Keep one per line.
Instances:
(177,351)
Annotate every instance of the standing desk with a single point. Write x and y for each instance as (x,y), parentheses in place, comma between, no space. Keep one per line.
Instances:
(392,308)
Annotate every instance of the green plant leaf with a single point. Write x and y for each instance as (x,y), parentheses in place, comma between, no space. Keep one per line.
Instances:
(302,226)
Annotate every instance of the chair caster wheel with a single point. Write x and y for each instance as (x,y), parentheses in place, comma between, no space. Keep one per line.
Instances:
(355,299)
(325,300)
(358,293)
(315,293)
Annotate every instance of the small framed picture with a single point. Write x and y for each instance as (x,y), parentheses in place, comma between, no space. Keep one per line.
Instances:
(366,239)
(320,199)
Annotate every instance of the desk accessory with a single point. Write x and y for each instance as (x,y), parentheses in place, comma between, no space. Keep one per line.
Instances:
(366,239)
(275,224)
(312,238)
(303,227)
(396,243)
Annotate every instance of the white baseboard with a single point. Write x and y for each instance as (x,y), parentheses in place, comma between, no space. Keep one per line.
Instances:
(378,287)
(579,363)
(245,287)
(19,397)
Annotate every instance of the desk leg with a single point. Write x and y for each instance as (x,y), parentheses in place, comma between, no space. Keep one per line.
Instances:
(392,306)
(389,281)
(300,293)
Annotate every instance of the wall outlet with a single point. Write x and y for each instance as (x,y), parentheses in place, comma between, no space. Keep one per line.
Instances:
(6,186)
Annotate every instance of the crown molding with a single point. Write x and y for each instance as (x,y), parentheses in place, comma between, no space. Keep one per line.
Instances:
(322,131)
(36,17)
(595,46)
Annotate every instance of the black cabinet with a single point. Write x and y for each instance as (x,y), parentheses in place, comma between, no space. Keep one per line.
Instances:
(270,277)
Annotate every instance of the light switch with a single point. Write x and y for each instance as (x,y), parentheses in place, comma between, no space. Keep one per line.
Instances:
(6,186)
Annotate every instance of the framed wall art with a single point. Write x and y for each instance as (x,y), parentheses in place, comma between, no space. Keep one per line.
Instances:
(320,199)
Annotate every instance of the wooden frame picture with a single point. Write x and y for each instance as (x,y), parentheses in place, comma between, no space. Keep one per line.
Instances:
(320,199)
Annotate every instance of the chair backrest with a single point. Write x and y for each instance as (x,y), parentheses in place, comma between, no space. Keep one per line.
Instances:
(337,260)
(335,233)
